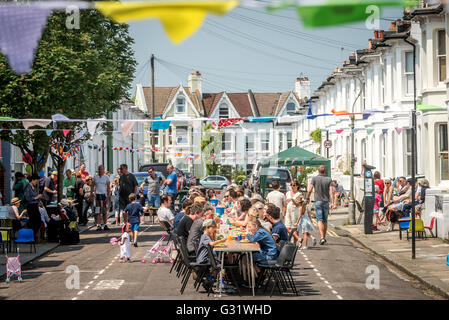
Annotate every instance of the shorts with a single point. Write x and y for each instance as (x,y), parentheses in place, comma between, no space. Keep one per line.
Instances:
(290,218)
(154,200)
(117,213)
(135,226)
(399,206)
(321,211)
(100,204)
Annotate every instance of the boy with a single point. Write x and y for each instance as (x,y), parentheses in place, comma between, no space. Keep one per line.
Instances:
(279,231)
(133,211)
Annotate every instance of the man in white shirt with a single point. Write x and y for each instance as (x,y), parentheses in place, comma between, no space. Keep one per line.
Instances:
(277,198)
(164,213)
(102,189)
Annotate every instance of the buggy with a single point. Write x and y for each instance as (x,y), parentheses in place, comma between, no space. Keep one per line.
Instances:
(13,267)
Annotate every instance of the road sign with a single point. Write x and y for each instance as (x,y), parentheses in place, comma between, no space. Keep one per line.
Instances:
(327,144)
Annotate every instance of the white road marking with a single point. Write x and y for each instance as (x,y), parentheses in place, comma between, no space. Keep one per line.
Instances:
(91,282)
(86,287)
(312,266)
(75,298)
(322,279)
(339,297)
(315,270)
(326,282)
(334,292)
(440,245)
(81,292)
(318,274)
(402,250)
(109,284)
(330,287)
(96,277)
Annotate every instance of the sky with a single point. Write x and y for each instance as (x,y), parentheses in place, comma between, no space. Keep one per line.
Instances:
(249,48)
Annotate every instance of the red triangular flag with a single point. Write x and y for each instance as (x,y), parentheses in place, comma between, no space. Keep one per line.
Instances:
(65,132)
(339,131)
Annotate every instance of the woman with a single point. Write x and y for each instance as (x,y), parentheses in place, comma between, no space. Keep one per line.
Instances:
(115,193)
(244,205)
(268,249)
(292,209)
(32,198)
(388,192)
(210,194)
(88,197)
(79,199)
(20,183)
(14,214)
(379,182)
(303,224)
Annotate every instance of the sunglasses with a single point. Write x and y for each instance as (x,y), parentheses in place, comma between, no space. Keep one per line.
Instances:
(259,208)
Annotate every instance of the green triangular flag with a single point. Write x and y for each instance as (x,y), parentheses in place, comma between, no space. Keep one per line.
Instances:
(369,131)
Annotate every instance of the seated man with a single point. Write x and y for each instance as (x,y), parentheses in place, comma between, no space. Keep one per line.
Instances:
(279,231)
(164,213)
(401,200)
(187,203)
(338,191)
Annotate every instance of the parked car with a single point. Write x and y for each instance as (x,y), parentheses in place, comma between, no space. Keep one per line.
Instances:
(273,173)
(215,182)
(141,177)
(161,167)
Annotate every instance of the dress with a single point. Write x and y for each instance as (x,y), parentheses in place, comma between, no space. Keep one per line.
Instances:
(124,249)
(305,225)
(291,213)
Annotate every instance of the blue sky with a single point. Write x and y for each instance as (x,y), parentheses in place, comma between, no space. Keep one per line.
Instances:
(249,49)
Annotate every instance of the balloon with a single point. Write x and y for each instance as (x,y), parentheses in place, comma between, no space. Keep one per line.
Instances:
(28,169)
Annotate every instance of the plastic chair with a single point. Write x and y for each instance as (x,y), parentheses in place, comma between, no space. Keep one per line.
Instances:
(430,228)
(2,234)
(230,268)
(25,236)
(419,229)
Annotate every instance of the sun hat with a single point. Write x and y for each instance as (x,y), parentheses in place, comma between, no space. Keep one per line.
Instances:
(64,203)
(15,200)
(424,183)
(209,222)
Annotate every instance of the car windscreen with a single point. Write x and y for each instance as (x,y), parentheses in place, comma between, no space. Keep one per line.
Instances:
(140,179)
(273,174)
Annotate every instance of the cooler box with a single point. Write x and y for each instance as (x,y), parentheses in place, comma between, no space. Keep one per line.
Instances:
(214,202)
(220,210)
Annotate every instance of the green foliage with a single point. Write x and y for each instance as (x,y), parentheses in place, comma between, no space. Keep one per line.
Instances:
(316,135)
(318,150)
(238,176)
(81,73)
(302,177)
(347,173)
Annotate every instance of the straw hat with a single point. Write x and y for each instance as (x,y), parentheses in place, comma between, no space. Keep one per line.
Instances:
(424,183)
(64,203)
(15,200)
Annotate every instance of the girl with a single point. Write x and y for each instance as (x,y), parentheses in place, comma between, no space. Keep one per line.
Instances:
(256,233)
(377,200)
(292,202)
(304,225)
(115,192)
(125,243)
(243,205)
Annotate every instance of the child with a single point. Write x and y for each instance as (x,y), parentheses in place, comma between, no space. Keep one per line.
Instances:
(117,212)
(142,201)
(304,225)
(124,243)
(268,249)
(133,211)
(377,200)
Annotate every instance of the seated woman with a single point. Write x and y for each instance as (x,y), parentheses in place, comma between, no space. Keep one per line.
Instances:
(244,205)
(268,249)
(14,215)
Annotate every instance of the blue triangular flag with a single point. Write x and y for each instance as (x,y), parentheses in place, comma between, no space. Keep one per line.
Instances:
(384,131)
(355,130)
(48,132)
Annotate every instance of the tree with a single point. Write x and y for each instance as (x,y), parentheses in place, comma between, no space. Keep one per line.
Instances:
(81,73)
(210,143)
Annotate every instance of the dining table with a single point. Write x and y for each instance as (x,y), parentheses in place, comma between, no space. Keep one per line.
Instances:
(233,246)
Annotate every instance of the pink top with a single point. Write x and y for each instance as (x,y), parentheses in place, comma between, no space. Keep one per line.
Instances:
(377,200)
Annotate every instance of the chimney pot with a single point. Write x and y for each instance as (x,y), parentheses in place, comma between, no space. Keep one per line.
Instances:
(381,34)
(376,34)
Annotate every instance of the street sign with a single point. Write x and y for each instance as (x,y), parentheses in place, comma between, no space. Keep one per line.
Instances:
(327,144)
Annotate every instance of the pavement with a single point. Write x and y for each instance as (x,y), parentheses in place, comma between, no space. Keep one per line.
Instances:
(429,266)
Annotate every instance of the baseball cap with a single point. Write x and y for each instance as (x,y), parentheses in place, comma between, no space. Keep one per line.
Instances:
(208,223)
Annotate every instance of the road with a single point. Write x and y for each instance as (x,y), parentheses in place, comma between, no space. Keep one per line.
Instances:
(334,271)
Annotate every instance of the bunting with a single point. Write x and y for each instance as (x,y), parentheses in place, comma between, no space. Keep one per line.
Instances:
(223,123)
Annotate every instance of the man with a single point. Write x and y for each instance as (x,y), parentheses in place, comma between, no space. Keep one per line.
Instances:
(127,185)
(180,214)
(196,230)
(154,186)
(194,213)
(164,213)
(49,188)
(321,184)
(279,231)
(277,198)
(119,172)
(84,173)
(171,185)
(338,190)
(78,193)
(102,190)
(69,184)
(32,196)
(404,198)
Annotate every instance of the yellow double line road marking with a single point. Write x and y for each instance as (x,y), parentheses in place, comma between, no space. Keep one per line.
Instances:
(329,231)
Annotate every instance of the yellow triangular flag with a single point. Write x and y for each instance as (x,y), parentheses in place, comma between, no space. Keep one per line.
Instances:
(179,19)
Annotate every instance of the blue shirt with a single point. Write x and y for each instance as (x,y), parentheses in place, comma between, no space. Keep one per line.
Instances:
(178,218)
(134,210)
(172,187)
(266,242)
(279,230)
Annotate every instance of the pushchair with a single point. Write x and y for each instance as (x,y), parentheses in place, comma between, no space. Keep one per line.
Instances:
(153,253)
(166,252)
(13,267)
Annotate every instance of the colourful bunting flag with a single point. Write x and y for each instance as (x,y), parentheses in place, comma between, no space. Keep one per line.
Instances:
(369,131)
(65,132)
(179,19)
(384,131)
(223,123)
(339,131)
(198,157)
(355,130)
(399,130)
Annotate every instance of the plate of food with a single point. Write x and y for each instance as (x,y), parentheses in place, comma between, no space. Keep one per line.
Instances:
(220,245)
(245,241)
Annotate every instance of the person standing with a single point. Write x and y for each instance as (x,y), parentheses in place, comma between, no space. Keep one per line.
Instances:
(154,186)
(171,185)
(84,173)
(20,183)
(127,185)
(292,206)
(32,198)
(277,198)
(69,184)
(379,182)
(88,196)
(78,193)
(134,211)
(49,188)
(321,184)
(102,189)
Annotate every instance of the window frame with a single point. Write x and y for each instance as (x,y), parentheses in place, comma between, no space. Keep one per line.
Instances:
(179,129)
(225,142)
(439,56)
(220,108)
(265,142)
(177,105)
(408,74)
(442,153)
(249,141)
(290,113)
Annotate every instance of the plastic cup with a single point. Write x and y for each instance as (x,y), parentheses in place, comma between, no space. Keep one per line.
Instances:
(239,238)
(229,238)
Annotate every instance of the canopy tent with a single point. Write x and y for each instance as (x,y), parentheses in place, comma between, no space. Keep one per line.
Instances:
(294,156)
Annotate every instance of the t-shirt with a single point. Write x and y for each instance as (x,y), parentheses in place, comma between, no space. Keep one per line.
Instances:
(338,188)
(178,218)
(50,184)
(195,234)
(321,184)
(79,183)
(87,190)
(381,184)
(280,231)
(202,255)
(84,175)
(127,185)
(266,243)
(101,184)
(184,227)
(165,214)
(171,188)
(69,184)
(154,185)
(277,198)
(134,212)
(377,200)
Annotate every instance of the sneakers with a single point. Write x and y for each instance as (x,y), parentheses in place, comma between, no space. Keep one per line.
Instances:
(98,228)
(323,241)
(106,228)
(135,244)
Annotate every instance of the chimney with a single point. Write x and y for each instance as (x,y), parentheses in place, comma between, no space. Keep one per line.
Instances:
(381,34)
(195,82)
(376,34)
(370,44)
(302,88)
